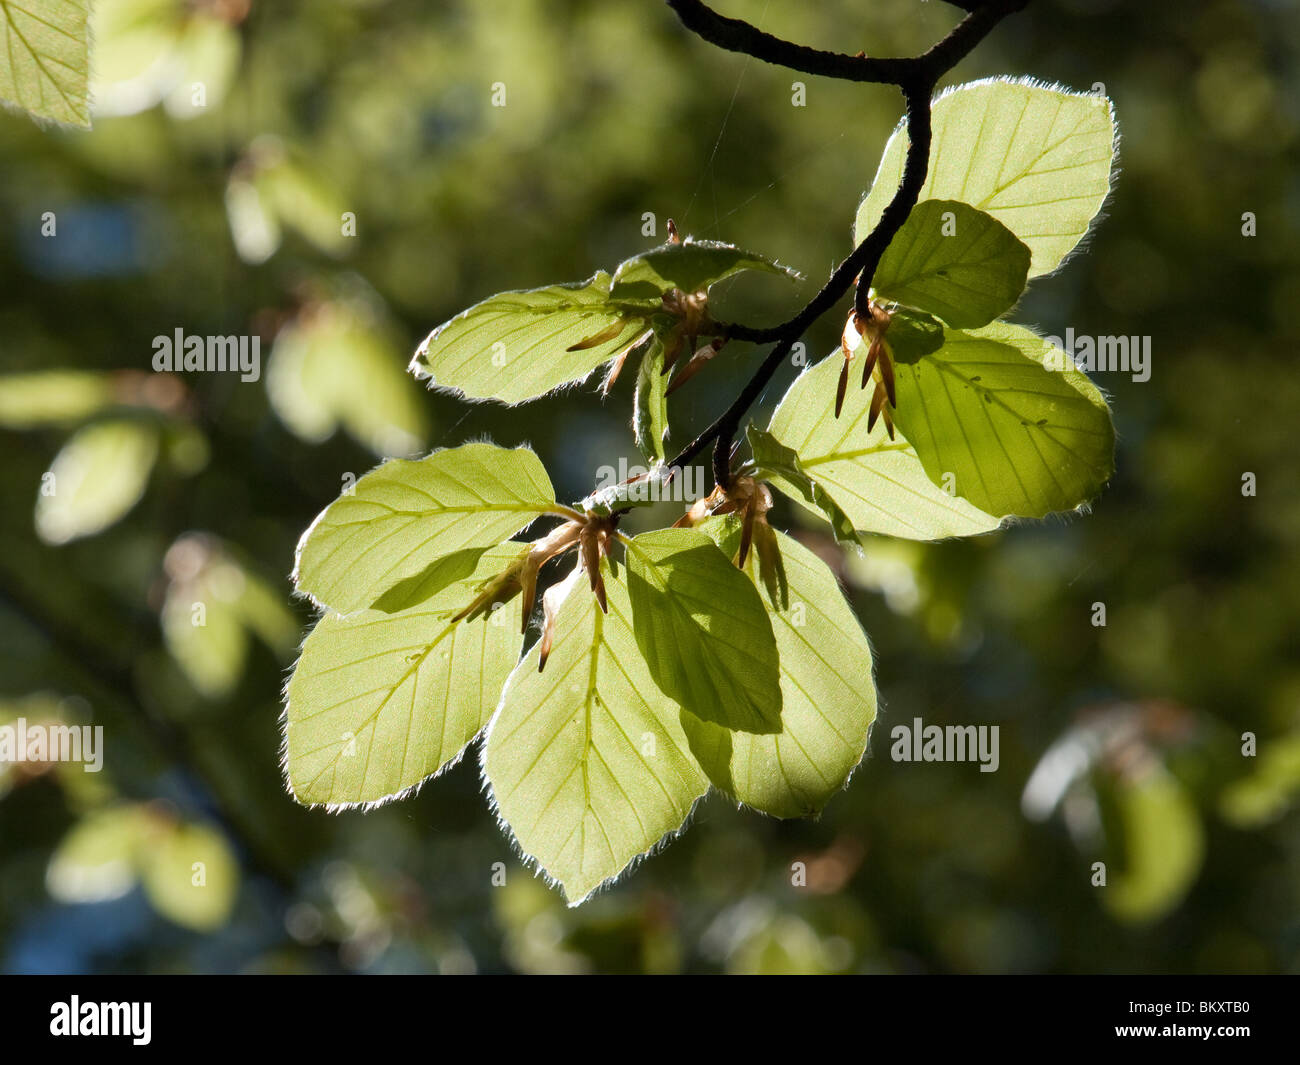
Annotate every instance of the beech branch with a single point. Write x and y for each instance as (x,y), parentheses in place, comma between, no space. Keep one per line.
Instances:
(916,77)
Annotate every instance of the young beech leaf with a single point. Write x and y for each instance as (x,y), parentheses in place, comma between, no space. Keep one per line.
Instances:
(520,345)
(828,694)
(776,461)
(1036,158)
(702,628)
(403,516)
(586,761)
(692,266)
(379,701)
(46,66)
(650,403)
(1011,435)
(879,484)
(98,475)
(955,262)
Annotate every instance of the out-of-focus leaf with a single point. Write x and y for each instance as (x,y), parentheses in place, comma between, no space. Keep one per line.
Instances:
(98,476)
(52,397)
(1160,845)
(1265,794)
(334,367)
(96,860)
(190,875)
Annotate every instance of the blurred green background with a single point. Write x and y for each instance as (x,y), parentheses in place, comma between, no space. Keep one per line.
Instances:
(225,219)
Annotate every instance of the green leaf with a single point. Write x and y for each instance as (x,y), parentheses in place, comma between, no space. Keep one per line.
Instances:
(1037,159)
(1157,845)
(828,695)
(912,334)
(380,702)
(520,345)
(586,762)
(650,403)
(405,515)
(777,462)
(190,876)
(692,266)
(96,860)
(335,367)
(703,631)
(643,491)
(1265,794)
(879,483)
(99,475)
(52,397)
(955,262)
(46,66)
(1012,435)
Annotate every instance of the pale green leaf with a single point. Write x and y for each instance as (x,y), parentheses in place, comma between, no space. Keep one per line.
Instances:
(520,345)
(1037,159)
(335,366)
(955,262)
(587,761)
(45,58)
(775,461)
(1267,792)
(878,483)
(702,628)
(1158,845)
(380,702)
(405,515)
(52,397)
(650,403)
(1011,434)
(828,694)
(190,875)
(96,860)
(99,475)
(691,266)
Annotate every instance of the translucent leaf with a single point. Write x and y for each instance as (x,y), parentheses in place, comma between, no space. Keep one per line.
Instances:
(1159,842)
(520,345)
(46,65)
(955,262)
(1268,792)
(52,397)
(190,876)
(779,463)
(405,515)
(209,645)
(692,266)
(98,476)
(586,761)
(1037,159)
(1010,434)
(878,483)
(335,367)
(379,702)
(701,626)
(828,694)
(96,860)
(650,403)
